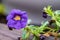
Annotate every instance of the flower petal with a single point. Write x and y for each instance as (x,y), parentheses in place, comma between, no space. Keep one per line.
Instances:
(23,24)
(11,23)
(23,12)
(25,16)
(23,20)
(9,17)
(17,26)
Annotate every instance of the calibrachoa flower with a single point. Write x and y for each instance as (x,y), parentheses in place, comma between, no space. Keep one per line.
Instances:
(58,31)
(42,37)
(44,15)
(17,19)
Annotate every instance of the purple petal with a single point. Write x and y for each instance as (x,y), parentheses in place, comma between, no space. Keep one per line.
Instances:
(44,15)
(24,16)
(9,17)
(23,12)
(23,24)
(15,11)
(11,23)
(23,20)
(18,25)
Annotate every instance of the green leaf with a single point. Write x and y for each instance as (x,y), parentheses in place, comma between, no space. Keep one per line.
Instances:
(57,18)
(57,15)
(41,28)
(25,35)
(48,10)
(35,38)
(57,12)
(58,23)
(36,33)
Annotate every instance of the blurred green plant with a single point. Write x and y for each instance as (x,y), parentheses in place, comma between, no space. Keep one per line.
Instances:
(37,30)
(2,8)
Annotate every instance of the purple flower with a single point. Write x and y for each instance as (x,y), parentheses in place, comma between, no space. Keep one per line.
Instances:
(42,37)
(44,15)
(17,19)
(58,31)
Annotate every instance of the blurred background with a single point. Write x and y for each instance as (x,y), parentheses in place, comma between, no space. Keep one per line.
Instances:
(33,7)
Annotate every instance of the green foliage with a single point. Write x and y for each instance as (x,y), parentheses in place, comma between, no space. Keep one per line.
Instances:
(55,15)
(2,9)
(36,30)
(35,38)
(42,27)
(48,10)
(25,35)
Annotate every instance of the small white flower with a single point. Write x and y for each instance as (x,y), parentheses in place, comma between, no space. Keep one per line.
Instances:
(29,21)
(57,12)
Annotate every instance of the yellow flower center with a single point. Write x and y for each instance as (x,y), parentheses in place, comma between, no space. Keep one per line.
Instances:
(17,17)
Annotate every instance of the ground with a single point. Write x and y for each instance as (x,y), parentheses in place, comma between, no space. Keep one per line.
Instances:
(6,34)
